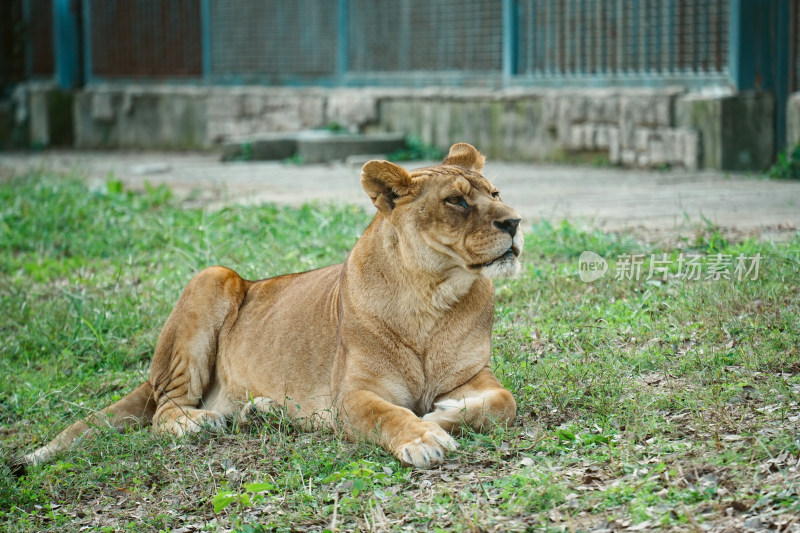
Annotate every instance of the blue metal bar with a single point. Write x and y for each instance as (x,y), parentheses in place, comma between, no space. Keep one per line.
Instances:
(404,40)
(619,63)
(601,44)
(751,57)
(670,40)
(556,35)
(576,39)
(701,43)
(539,25)
(487,79)
(596,43)
(658,44)
(88,65)
(341,57)
(623,79)
(567,38)
(634,37)
(205,38)
(735,43)
(641,36)
(66,44)
(510,39)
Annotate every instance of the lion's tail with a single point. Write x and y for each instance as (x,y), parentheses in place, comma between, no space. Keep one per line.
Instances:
(134,410)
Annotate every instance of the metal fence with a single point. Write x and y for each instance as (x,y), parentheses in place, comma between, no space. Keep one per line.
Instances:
(421,35)
(143,38)
(402,42)
(273,41)
(659,39)
(12,53)
(40,28)
(490,43)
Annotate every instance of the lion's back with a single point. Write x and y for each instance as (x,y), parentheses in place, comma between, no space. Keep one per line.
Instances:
(283,342)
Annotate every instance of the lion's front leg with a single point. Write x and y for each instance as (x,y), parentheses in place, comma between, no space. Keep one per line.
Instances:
(397,429)
(480,403)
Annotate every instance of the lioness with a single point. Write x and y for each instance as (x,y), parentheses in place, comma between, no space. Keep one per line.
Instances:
(392,345)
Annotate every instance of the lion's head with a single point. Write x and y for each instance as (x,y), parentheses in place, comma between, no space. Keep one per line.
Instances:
(448,217)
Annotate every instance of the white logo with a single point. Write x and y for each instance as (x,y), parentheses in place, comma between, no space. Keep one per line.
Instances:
(591,267)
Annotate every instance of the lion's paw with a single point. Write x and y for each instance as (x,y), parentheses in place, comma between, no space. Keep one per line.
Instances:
(446,411)
(428,449)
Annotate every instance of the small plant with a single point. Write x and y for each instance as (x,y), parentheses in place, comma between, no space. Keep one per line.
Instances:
(296,159)
(244,153)
(416,150)
(709,237)
(359,476)
(253,494)
(335,127)
(788,165)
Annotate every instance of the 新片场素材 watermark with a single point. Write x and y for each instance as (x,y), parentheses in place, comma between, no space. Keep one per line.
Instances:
(695,267)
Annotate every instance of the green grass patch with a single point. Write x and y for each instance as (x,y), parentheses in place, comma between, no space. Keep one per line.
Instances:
(655,400)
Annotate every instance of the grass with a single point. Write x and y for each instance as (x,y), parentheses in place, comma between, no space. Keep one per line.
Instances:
(644,404)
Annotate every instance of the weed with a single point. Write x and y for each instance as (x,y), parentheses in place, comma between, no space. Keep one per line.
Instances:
(416,150)
(244,153)
(296,159)
(787,166)
(335,127)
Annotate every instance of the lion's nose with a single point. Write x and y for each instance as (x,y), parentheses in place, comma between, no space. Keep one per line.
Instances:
(509,225)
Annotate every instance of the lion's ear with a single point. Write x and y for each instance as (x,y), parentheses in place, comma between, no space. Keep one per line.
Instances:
(465,155)
(383,182)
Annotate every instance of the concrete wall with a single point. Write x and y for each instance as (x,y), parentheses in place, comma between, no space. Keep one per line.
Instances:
(38,115)
(793,120)
(629,127)
(736,131)
(142,118)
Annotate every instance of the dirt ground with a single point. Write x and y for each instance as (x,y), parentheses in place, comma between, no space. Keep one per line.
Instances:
(656,205)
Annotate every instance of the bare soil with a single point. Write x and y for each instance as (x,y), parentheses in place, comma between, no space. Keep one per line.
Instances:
(658,206)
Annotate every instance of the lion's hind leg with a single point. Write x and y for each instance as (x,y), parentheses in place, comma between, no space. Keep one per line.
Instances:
(191,421)
(184,366)
(249,412)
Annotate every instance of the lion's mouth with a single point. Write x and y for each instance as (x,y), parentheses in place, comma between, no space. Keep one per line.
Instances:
(511,253)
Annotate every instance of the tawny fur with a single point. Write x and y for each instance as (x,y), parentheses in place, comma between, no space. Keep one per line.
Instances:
(393,345)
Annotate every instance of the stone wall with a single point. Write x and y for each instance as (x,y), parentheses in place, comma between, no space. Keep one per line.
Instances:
(630,127)
(182,117)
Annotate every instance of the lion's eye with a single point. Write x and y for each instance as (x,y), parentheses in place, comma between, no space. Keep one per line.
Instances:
(496,194)
(458,200)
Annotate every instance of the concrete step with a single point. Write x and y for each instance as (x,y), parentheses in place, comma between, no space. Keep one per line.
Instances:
(315,146)
(261,147)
